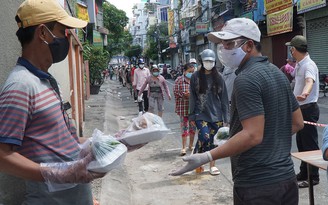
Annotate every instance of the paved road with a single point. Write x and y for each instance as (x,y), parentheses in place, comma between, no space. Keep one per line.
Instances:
(144,178)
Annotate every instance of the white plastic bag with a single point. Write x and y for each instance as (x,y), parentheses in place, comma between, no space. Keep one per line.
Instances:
(221,136)
(109,153)
(144,129)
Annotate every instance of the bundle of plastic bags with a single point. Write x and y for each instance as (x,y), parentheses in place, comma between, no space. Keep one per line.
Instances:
(99,154)
(221,136)
(143,129)
(109,153)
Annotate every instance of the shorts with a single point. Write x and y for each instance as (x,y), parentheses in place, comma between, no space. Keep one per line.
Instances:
(156,100)
(186,127)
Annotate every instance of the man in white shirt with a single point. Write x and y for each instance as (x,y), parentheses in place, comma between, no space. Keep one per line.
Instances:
(139,78)
(306,91)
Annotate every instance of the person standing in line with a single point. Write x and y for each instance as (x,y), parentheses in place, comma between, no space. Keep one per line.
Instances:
(208,104)
(157,86)
(260,137)
(135,94)
(193,61)
(36,136)
(181,94)
(139,78)
(288,69)
(306,91)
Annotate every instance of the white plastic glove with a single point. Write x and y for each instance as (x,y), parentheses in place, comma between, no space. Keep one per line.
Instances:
(69,172)
(194,161)
(139,98)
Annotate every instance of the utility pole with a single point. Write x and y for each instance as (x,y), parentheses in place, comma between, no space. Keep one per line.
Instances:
(158,43)
(179,36)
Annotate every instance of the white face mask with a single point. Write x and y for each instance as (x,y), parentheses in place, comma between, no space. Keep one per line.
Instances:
(208,65)
(231,58)
(141,66)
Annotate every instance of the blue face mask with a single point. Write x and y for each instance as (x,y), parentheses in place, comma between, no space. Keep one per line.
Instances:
(155,74)
(188,75)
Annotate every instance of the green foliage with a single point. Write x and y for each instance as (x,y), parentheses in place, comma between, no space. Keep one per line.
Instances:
(98,60)
(134,50)
(152,51)
(115,20)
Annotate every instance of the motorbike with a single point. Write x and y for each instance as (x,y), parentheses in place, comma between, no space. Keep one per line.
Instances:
(323,83)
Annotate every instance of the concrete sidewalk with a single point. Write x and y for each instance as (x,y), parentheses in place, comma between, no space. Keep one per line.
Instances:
(111,110)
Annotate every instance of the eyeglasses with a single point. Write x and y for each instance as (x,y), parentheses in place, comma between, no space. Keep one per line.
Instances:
(232,44)
(63,107)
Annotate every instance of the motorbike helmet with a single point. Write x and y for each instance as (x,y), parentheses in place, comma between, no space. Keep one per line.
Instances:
(141,61)
(207,55)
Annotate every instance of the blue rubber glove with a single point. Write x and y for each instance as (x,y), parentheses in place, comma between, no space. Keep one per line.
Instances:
(324,142)
(194,161)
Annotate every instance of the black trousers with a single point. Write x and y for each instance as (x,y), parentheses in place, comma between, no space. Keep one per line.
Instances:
(285,192)
(145,105)
(307,138)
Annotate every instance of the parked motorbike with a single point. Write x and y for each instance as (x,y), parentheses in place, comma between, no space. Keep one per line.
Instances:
(323,83)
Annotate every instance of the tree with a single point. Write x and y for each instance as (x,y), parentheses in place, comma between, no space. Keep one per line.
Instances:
(157,35)
(115,20)
(133,51)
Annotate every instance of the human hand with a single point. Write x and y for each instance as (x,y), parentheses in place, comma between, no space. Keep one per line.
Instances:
(170,97)
(69,172)
(186,94)
(302,97)
(193,161)
(193,123)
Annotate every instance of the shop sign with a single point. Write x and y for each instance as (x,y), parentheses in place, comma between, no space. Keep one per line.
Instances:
(200,40)
(82,12)
(97,39)
(272,6)
(201,27)
(280,22)
(309,5)
(170,22)
(172,43)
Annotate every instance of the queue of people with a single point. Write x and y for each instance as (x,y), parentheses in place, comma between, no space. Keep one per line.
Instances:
(261,164)
(260,156)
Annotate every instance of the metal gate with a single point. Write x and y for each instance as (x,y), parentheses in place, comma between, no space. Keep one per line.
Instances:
(316,34)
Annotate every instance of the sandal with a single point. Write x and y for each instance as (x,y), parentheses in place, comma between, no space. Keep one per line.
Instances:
(214,171)
(183,152)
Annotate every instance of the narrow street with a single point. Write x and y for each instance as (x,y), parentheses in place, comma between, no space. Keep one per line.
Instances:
(144,178)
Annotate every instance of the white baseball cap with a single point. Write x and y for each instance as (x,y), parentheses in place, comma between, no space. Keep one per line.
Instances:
(235,28)
(192,60)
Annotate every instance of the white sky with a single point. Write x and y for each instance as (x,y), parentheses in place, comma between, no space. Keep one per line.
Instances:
(125,5)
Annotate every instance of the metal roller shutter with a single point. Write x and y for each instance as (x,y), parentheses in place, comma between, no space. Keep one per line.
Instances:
(316,33)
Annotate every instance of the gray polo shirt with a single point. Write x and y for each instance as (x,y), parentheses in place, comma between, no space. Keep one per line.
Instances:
(260,88)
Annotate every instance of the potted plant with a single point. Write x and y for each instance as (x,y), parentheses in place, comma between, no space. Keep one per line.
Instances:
(98,60)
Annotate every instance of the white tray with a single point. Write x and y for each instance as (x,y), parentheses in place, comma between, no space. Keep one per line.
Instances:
(144,136)
(111,161)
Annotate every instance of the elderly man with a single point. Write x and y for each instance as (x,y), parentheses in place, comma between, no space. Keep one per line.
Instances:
(262,168)
(36,138)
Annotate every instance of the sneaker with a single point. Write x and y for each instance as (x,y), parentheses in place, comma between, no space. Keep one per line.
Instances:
(305,184)
(183,152)
(135,101)
(301,177)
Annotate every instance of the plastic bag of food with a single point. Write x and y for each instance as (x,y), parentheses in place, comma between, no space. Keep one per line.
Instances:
(221,136)
(144,129)
(108,152)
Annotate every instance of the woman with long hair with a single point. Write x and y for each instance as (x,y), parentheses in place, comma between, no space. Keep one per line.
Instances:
(208,104)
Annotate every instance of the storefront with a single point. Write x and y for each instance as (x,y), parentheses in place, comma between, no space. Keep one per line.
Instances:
(316,32)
